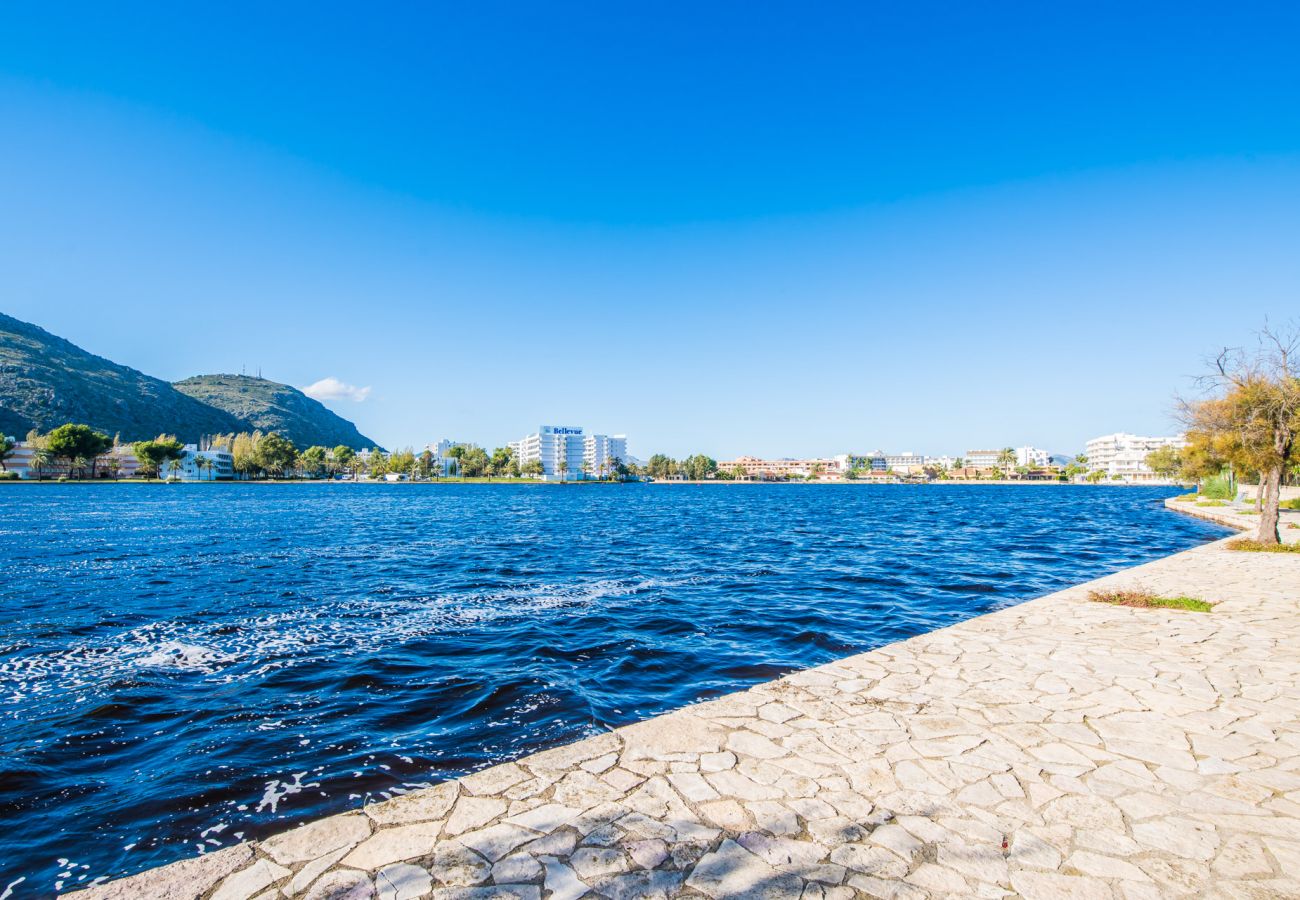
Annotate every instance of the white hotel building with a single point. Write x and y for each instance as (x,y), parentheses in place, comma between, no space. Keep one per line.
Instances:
(556,444)
(1125,455)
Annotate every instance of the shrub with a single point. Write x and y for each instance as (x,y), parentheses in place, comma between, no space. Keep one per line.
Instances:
(1217,488)
(1144,599)
(8,476)
(1188,498)
(1291,504)
(1249,545)
(1213,503)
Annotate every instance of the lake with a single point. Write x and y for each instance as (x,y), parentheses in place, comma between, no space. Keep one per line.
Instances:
(186,666)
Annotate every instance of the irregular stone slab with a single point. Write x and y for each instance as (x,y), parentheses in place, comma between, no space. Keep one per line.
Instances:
(342,884)
(316,839)
(424,805)
(402,881)
(473,812)
(245,883)
(733,872)
(495,892)
(188,879)
(495,842)
(396,844)
(456,865)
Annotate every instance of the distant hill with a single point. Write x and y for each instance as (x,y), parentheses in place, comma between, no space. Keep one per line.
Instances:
(46,381)
(274,407)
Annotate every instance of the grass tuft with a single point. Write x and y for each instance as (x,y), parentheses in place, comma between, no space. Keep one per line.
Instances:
(1250,545)
(1143,599)
(1213,503)
(1188,498)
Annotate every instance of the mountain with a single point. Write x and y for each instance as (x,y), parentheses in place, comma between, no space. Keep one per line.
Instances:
(270,406)
(46,381)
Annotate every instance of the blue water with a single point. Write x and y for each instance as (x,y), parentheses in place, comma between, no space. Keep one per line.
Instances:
(185,666)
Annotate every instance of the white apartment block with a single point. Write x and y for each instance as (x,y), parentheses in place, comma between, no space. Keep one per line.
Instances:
(983,459)
(1125,454)
(555,445)
(601,452)
(215,464)
(1032,457)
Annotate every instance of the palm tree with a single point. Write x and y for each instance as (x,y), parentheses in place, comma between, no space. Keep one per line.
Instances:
(1006,459)
(201,463)
(41,459)
(6,450)
(564,469)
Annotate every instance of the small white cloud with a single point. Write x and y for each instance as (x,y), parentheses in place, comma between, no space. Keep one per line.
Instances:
(333,389)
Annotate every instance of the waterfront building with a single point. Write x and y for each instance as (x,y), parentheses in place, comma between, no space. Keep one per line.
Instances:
(211,464)
(1032,457)
(119,462)
(828,468)
(982,459)
(1124,455)
(442,458)
(580,454)
(601,452)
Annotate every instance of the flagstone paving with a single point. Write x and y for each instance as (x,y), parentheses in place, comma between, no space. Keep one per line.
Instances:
(1057,749)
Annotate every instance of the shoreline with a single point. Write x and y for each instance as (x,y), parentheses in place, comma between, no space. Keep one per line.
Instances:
(1113,750)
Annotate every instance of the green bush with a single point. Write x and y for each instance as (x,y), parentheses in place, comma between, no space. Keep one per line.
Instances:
(1291,504)
(8,476)
(1188,498)
(1217,488)
(1213,503)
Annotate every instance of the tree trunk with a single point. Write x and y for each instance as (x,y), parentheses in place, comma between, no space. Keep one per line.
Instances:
(1270,490)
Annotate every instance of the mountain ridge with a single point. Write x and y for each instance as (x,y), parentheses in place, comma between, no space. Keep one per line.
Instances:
(46,380)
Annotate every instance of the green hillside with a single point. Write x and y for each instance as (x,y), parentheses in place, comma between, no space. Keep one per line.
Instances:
(274,407)
(46,381)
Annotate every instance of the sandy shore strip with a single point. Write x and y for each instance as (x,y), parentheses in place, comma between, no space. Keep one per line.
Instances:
(1061,748)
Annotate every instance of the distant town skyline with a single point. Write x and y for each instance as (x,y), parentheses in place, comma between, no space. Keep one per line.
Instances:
(729,230)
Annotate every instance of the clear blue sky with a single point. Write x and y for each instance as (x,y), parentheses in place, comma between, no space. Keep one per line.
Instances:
(747,228)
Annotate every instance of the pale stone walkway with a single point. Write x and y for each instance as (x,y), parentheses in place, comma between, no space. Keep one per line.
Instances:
(1057,749)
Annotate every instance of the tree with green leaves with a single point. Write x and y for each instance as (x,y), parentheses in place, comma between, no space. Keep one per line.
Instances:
(6,451)
(502,457)
(153,455)
(564,469)
(699,467)
(314,461)
(660,466)
(533,468)
(276,455)
(1006,458)
(1164,461)
(80,445)
(376,463)
(402,462)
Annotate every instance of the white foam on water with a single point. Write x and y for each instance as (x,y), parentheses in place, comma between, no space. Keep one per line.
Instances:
(237,649)
(185,657)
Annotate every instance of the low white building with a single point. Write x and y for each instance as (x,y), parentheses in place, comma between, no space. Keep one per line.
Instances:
(565,450)
(1124,455)
(213,464)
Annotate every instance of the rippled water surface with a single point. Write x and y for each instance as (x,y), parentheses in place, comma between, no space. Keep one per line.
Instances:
(185,666)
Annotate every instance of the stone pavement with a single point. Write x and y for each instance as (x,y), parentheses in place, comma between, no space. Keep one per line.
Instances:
(1057,749)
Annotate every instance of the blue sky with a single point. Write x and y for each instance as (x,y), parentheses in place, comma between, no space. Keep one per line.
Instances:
(767,229)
